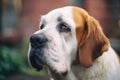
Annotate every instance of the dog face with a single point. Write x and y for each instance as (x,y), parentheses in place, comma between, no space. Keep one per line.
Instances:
(65,33)
(54,44)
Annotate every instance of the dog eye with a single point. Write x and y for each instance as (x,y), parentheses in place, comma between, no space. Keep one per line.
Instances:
(63,27)
(42,26)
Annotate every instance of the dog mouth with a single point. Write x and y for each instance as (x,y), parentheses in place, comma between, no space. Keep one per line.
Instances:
(38,61)
(34,63)
(35,59)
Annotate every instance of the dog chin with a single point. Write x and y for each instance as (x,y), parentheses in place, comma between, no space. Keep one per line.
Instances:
(58,74)
(59,69)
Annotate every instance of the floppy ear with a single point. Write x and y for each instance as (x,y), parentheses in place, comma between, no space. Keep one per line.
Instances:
(93,42)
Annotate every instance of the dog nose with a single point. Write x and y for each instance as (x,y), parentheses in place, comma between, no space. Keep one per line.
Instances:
(38,40)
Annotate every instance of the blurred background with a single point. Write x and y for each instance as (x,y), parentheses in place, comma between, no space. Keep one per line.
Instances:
(20,18)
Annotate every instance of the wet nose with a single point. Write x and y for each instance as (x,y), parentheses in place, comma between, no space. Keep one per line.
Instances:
(38,40)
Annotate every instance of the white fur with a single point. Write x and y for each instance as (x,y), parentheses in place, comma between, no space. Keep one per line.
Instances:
(106,67)
(63,47)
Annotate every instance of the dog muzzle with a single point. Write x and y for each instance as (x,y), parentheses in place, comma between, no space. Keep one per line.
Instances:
(37,43)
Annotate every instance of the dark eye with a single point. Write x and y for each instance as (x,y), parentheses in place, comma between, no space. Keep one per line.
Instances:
(63,27)
(42,26)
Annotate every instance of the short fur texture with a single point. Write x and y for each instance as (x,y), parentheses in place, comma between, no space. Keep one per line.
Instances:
(76,47)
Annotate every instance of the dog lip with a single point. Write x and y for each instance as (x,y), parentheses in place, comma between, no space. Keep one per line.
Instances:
(34,64)
(33,60)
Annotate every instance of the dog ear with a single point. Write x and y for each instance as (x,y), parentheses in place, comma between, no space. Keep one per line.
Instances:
(93,42)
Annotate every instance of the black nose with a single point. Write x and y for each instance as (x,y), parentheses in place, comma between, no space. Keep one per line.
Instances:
(38,40)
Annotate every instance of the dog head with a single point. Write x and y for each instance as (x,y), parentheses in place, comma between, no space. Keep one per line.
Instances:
(64,34)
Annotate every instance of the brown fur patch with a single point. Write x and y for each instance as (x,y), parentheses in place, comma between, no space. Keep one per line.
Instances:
(91,40)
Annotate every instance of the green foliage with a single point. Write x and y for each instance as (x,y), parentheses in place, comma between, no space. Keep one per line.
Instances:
(14,60)
(11,61)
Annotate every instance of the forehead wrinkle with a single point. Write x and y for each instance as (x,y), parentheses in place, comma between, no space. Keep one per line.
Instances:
(59,19)
(64,19)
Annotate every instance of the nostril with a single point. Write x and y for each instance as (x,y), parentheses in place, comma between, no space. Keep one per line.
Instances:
(32,39)
(38,39)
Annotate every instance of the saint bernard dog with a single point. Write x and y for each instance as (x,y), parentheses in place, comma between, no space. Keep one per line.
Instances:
(72,45)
